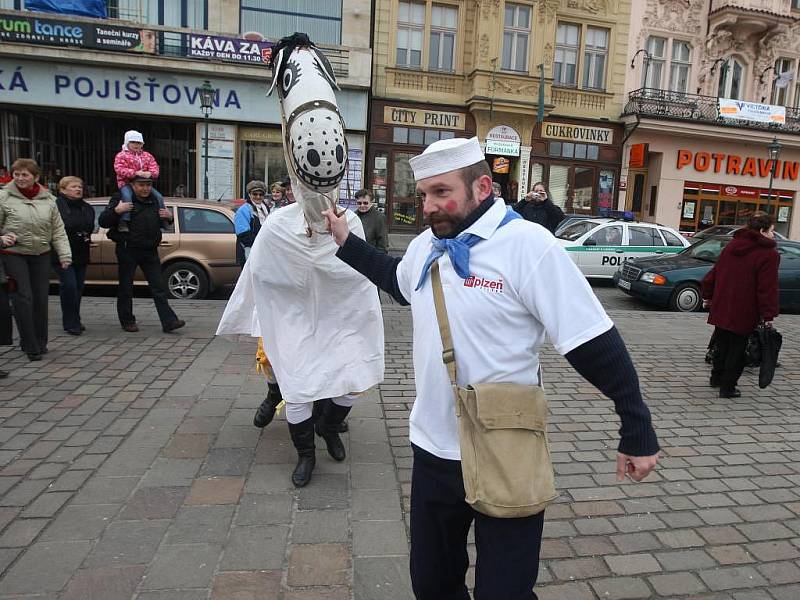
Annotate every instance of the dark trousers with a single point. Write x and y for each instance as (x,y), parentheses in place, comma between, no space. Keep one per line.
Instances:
(71,292)
(507,562)
(148,261)
(31,275)
(729,360)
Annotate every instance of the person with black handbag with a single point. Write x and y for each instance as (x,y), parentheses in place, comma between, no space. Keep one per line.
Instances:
(742,292)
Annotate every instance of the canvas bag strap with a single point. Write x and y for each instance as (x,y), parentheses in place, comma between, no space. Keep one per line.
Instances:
(448,354)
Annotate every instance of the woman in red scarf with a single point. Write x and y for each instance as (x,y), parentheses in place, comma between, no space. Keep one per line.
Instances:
(28,210)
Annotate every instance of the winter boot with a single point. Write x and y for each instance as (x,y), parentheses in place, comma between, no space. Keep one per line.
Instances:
(266,411)
(303,440)
(328,429)
(319,408)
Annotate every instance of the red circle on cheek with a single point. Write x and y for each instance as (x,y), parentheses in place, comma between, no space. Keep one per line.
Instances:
(450,206)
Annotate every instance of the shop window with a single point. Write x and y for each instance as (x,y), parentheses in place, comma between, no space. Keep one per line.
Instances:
(638,192)
(653,200)
(536,174)
(605,189)
(680,66)
(320,19)
(431,136)
(400,135)
(416,137)
(731,79)
(379,179)
(583,189)
(594,58)
(444,22)
(796,4)
(447,135)
(781,85)
(558,184)
(573,150)
(565,66)
(202,220)
(516,33)
(653,72)
(262,161)
(410,26)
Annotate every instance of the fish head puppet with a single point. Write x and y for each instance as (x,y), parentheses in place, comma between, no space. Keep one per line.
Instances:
(314,142)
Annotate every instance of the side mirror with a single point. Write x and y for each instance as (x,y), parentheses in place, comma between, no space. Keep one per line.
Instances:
(590,242)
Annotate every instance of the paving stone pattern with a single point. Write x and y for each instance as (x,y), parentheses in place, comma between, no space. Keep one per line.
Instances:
(129,469)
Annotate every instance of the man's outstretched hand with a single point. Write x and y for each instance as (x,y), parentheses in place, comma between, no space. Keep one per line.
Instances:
(337,225)
(636,467)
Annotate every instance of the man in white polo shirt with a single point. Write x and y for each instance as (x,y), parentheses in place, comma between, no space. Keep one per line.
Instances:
(507,285)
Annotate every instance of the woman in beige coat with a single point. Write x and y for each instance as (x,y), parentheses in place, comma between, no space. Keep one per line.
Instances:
(28,210)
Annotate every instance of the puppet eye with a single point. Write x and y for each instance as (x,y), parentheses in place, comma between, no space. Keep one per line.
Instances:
(290,78)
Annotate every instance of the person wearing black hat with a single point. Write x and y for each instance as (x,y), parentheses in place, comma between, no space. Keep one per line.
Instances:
(138,247)
(249,218)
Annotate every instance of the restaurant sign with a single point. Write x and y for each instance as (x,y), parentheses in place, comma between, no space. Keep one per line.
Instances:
(53,32)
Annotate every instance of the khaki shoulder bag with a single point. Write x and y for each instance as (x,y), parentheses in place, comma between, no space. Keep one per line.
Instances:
(505,455)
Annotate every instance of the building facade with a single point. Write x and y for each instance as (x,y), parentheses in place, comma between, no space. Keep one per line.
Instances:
(712,84)
(445,68)
(71,86)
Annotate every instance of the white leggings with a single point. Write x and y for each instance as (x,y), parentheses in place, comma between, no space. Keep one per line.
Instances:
(297,412)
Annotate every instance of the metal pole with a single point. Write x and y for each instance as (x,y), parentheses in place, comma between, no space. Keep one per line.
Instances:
(771,175)
(646,68)
(205,161)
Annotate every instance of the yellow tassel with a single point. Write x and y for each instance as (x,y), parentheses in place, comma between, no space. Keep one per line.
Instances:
(279,407)
(262,362)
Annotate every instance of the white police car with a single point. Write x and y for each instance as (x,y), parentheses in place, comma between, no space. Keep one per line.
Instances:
(600,246)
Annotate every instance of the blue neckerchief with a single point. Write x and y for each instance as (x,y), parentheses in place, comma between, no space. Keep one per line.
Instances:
(458,249)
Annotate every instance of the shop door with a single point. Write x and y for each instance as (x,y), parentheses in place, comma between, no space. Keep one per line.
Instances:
(262,161)
(405,210)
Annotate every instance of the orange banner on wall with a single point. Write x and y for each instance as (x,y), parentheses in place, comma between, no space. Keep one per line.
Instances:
(733,164)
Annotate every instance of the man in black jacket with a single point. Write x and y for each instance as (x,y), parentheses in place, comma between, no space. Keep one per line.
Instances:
(373,220)
(139,247)
(537,207)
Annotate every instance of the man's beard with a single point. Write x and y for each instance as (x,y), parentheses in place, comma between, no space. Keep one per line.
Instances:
(443,224)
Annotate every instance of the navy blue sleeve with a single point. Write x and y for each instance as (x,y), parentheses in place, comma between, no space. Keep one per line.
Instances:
(605,363)
(377,266)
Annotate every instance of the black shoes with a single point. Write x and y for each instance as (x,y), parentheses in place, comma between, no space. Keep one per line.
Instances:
(303,440)
(33,356)
(319,408)
(130,327)
(176,324)
(328,429)
(77,331)
(714,381)
(266,412)
(734,393)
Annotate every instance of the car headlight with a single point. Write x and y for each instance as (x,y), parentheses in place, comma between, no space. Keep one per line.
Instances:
(654,278)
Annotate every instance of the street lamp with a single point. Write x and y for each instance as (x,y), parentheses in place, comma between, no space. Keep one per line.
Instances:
(773,152)
(207,104)
(646,62)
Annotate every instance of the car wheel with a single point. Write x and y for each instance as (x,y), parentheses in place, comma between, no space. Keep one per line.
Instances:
(186,281)
(686,298)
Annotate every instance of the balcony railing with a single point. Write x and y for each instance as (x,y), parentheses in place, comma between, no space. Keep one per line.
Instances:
(675,106)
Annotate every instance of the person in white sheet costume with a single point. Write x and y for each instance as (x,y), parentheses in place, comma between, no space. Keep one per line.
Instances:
(320,320)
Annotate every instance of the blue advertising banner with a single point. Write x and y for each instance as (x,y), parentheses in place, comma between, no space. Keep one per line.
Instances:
(84,8)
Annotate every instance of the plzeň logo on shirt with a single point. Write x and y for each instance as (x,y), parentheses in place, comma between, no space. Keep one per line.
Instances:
(493,285)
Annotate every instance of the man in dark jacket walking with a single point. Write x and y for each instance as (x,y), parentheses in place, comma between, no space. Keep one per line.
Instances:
(138,247)
(537,207)
(373,221)
(742,290)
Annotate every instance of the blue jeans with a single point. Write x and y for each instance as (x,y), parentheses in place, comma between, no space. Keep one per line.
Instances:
(71,291)
(127,196)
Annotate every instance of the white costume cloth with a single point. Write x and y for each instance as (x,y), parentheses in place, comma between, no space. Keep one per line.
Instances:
(320,320)
(522,285)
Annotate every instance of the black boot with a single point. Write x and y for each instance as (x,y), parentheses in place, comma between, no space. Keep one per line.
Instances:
(303,440)
(319,409)
(328,429)
(266,412)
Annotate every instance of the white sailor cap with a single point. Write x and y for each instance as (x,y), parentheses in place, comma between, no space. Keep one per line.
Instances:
(445,156)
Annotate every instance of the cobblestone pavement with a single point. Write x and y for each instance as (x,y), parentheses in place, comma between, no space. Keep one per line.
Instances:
(129,469)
